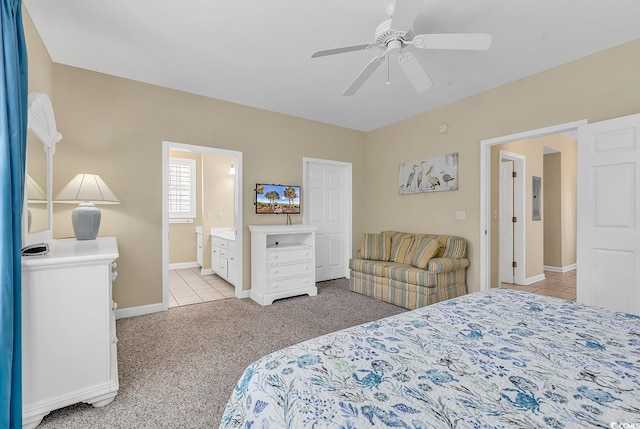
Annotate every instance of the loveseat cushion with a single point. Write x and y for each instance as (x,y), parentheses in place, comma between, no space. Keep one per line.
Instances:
(456,247)
(374,268)
(409,274)
(375,247)
(400,247)
(423,250)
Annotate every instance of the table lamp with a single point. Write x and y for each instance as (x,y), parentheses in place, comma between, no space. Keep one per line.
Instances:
(89,190)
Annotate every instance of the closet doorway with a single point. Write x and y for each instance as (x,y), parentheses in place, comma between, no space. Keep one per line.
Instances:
(207,199)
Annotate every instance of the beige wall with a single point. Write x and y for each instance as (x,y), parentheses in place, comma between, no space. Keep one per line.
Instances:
(39,61)
(40,80)
(215,199)
(563,94)
(552,214)
(534,229)
(568,188)
(115,127)
(545,239)
(218,208)
(182,236)
(218,191)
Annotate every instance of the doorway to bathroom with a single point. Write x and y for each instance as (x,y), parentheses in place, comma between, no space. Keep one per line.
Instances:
(202,201)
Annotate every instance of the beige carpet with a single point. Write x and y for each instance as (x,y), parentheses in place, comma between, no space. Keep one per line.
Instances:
(178,368)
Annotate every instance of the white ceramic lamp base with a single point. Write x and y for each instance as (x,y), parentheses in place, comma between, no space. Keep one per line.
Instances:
(86,221)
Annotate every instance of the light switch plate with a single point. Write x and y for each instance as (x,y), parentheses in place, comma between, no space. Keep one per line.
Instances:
(461,215)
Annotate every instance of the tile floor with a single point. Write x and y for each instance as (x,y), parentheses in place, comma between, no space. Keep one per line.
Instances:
(188,286)
(559,285)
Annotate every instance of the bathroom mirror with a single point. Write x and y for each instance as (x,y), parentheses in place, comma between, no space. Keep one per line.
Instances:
(42,137)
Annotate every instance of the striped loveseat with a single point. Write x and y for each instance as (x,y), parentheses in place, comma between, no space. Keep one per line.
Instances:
(410,270)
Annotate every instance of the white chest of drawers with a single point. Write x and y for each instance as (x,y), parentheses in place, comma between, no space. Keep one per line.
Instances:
(282,262)
(69,351)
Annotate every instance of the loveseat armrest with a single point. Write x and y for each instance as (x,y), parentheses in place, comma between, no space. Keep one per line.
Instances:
(444,265)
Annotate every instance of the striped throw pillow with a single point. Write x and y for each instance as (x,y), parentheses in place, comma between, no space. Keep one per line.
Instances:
(423,251)
(374,247)
(456,247)
(400,247)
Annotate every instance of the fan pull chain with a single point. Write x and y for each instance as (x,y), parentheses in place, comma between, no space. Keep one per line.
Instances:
(388,69)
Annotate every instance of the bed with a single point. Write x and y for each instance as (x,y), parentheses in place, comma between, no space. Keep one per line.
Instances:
(497,358)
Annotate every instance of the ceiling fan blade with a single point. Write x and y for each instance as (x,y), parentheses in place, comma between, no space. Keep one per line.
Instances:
(468,41)
(364,75)
(404,14)
(334,51)
(414,71)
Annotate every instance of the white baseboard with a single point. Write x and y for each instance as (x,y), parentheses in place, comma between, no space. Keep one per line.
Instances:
(206,271)
(560,269)
(534,279)
(183,265)
(138,311)
(245,293)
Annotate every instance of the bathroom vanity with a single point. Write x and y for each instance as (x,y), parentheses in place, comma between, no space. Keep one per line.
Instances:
(223,254)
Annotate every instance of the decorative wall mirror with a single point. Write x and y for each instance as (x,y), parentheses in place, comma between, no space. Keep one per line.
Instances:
(42,136)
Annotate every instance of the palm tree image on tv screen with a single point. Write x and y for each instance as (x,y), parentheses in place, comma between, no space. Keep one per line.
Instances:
(277,199)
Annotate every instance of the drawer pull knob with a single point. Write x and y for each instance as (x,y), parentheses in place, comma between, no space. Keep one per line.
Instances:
(275,256)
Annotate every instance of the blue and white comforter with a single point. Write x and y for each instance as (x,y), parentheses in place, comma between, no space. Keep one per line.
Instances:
(497,358)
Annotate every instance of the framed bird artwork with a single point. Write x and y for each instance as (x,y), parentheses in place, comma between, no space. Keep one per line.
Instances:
(438,173)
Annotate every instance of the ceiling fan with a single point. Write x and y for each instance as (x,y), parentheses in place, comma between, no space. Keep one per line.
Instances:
(396,33)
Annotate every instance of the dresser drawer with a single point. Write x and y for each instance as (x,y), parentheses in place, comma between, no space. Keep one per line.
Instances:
(289,270)
(223,253)
(292,254)
(218,242)
(275,286)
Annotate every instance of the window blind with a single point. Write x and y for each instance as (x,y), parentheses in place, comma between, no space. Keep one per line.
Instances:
(182,189)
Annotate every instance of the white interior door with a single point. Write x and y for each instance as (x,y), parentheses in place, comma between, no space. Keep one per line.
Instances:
(608,206)
(505,223)
(327,206)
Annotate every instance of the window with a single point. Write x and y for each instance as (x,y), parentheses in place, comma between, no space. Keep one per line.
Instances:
(182,190)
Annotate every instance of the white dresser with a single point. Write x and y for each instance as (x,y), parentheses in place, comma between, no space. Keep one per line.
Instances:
(223,253)
(69,351)
(282,262)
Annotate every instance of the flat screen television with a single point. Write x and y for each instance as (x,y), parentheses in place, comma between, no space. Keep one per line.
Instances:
(277,199)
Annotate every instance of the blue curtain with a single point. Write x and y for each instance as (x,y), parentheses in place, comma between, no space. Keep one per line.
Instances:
(13,142)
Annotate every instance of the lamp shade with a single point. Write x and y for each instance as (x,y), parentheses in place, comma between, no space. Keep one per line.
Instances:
(88,189)
(35,194)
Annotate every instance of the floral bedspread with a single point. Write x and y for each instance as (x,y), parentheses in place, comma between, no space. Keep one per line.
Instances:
(491,359)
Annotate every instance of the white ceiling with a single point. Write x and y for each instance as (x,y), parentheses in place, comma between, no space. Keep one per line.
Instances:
(258,52)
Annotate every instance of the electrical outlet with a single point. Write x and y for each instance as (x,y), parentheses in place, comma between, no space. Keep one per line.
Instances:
(461,215)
